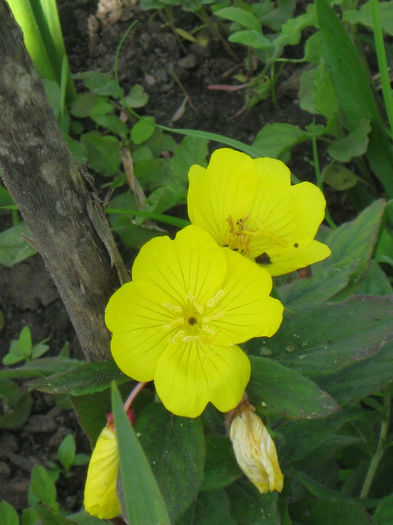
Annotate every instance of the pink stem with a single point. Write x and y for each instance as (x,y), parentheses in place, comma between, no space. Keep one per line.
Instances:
(134,392)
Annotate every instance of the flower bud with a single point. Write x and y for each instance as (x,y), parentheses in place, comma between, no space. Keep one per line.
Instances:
(100,497)
(255,450)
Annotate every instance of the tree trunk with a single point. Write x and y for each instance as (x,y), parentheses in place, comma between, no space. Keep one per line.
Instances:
(57,201)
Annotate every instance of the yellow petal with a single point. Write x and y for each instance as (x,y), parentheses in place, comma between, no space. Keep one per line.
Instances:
(180,380)
(309,207)
(190,374)
(287,217)
(245,309)
(142,328)
(100,498)
(223,191)
(227,370)
(191,265)
(287,261)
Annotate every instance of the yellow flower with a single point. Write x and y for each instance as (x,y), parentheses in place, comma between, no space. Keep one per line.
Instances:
(180,319)
(100,497)
(255,451)
(250,206)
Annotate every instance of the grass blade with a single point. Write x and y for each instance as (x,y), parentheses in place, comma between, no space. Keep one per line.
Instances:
(382,62)
(142,497)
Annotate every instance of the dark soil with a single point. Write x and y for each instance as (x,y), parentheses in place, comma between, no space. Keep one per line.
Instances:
(168,68)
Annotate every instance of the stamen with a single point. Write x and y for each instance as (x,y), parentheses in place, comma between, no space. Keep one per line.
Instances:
(172,324)
(190,338)
(217,297)
(173,307)
(213,317)
(207,329)
(196,305)
(179,334)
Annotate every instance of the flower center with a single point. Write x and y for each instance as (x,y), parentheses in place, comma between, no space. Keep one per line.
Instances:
(244,230)
(192,321)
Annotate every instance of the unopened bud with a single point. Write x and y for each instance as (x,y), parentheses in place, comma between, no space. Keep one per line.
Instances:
(100,498)
(255,450)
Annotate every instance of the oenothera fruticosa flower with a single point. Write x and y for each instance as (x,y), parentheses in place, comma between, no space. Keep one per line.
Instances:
(250,206)
(255,450)
(100,499)
(180,319)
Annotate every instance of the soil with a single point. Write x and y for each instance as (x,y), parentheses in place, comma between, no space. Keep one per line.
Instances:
(168,68)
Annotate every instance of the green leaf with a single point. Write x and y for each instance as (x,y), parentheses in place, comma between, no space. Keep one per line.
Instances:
(18,414)
(166,197)
(43,487)
(348,332)
(363,16)
(304,438)
(354,144)
(85,379)
(175,449)
(143,130)
(339,177)
(9,391)
(137,97)
(354,92)
(273,140)
(364,378)
(221,467)
(91,410)
(241,16)
(384,511)
(113,123)
(90,105)
(211,508)
(24,340)
(66,452)
(29,517)
(103,153)
(13,247)
(375,282)
(133,235)
(83,518)
(331,511)
(250,38)
(39,349)
(190,151)
(42,367)
(317,93)
(78,150)
(352,245)
(249,507)
(300,399)
(143,502)
(8,514)
(50,516)
(100,83)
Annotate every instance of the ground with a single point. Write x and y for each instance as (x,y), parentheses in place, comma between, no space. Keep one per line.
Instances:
(167,67)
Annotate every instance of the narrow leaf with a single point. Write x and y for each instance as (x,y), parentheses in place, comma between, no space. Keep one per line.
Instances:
(142,498)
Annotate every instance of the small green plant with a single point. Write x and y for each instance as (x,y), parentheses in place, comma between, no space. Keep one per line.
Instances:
(22,349)
(67,457)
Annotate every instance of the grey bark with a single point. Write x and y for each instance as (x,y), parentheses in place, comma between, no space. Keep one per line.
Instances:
(56,200)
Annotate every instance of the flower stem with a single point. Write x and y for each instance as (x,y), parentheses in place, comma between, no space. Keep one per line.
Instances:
(318,175)
(380,446)
(134,392)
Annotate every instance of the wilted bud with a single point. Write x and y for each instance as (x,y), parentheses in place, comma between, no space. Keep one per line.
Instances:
(100,498)
(255,450)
